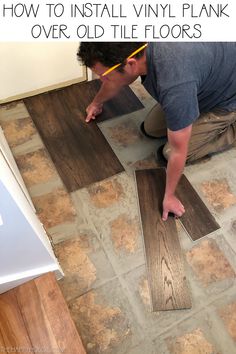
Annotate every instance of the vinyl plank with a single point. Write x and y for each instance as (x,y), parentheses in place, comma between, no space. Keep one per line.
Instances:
(167,282)
(2,344)
(35,318)
(197,219)
(79,150)
(52,301)
(13,333)
(125,102)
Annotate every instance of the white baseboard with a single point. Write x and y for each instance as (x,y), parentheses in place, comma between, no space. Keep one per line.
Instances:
(11,281)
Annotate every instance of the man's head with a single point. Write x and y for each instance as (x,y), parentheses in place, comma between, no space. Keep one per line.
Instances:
(102,56)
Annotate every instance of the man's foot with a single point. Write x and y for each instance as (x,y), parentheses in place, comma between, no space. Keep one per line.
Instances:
(148,135)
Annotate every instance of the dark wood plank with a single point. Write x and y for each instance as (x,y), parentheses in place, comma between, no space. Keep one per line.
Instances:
(197,219)
(13,333)
(79,151)
(167,282)
(125,102)
(56,309)
(35,318)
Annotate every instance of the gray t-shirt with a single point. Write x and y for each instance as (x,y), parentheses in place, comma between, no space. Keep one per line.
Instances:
(190,78)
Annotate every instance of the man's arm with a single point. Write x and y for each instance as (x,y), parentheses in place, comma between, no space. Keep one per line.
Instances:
(107,91)
(178,141)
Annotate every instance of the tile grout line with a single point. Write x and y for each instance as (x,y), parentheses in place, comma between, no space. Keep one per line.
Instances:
(201,308)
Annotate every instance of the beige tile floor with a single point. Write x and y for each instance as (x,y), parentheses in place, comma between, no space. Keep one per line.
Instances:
(97,238)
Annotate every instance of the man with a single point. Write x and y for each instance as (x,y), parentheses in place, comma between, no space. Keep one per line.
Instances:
(195,86)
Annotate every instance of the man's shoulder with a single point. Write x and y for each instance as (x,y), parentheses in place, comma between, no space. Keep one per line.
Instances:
(163,47)
(173,56)
(173,63)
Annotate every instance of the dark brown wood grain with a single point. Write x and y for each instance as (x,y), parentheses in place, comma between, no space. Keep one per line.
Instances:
(79,151)
(167,282)
(197,219)
(125,102)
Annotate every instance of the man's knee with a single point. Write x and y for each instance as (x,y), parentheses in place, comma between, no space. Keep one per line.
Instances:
(155,123)
(191,156)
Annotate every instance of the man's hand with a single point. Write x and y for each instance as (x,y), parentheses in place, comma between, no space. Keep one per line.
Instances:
(171,204)
(178,141)
(93,110)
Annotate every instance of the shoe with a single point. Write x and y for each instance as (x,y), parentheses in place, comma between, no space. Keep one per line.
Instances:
(146,134)
(160,158)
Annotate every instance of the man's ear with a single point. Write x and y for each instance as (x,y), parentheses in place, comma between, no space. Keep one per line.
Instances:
(132,65)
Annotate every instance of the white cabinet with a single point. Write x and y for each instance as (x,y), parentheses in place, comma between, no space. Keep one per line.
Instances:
(25,251)
(6,152)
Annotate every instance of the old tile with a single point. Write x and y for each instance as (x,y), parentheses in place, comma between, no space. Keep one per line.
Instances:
(144,291)
(12,111)
(190,343)
(209,263)
(105,193)
(124,233)
(122,259)
(148,162)
(100,326)
(36,167)
(228,315)
(233,226)
(125,133)
(18,131)
(54,208)
(10,106)
(157,322)
(146,347)
(72,255)
(139,90)
(84,263)
(80,272)
(218,194)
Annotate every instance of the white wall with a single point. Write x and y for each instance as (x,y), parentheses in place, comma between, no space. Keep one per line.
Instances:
(29,68)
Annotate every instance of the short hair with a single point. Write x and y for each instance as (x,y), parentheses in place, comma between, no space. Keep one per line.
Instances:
(107,53)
